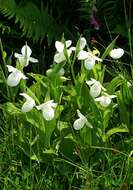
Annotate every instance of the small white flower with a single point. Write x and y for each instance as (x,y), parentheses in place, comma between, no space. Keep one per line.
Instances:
(116,53)
(47,109)
(15,76)
(89,59)
(79,123)
(95,87)
(24,58)
(60,56)
(105,100)
(29,104)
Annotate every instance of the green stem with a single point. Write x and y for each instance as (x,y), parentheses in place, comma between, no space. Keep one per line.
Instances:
(72,68)
(4,76)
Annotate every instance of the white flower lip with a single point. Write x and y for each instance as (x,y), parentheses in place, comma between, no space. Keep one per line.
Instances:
(89,63)
(24,58)
(47,109)
(15,76)
(81,121)
(105,100)
(29,104)
(95,87)
(116,53)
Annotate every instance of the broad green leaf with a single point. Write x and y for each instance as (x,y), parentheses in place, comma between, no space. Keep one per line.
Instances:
(121,129)
(86,135)
(49,128)
(115,83)
(67,148)
(106,117)
(35,118)
(109,48)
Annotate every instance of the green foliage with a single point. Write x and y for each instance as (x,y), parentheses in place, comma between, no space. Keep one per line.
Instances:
(87,143)
(35,23)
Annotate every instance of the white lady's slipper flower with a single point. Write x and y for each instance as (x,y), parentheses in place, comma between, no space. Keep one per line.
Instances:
(47,109)
(24,58)
(95,87)
(81,121)
(15,76)
(105,100)
(60,56)
(89,59)
(29,104)
(116,53)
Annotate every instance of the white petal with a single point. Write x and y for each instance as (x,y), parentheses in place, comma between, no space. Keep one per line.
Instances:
(98,59)
(59,57)
(61,71)
(28,105)
(82,43)
(13,79)
(95,90)
(89,63)
(47,105)
(104,101)
(116,53)
(59,46)
(91,82)
(26,51)
(50,103)
(17,55)
(78,124)
(72,48)
(112,96)
(68,43)
(80,115)
(11,68)
(33,60)
(40,107)
(82,55)
(22,75)
(89,124)
(26,96)
(69,52)
(48,114)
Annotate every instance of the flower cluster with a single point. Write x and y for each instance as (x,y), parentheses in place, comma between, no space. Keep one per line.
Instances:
(15,77)
(64,52)
(24,58)
(95,90)
(87,56)
(46,108)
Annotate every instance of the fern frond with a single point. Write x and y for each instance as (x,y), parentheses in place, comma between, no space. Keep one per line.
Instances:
(86,8)
(35,23)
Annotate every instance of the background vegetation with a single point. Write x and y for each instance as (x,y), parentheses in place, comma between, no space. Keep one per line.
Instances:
(59,157)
